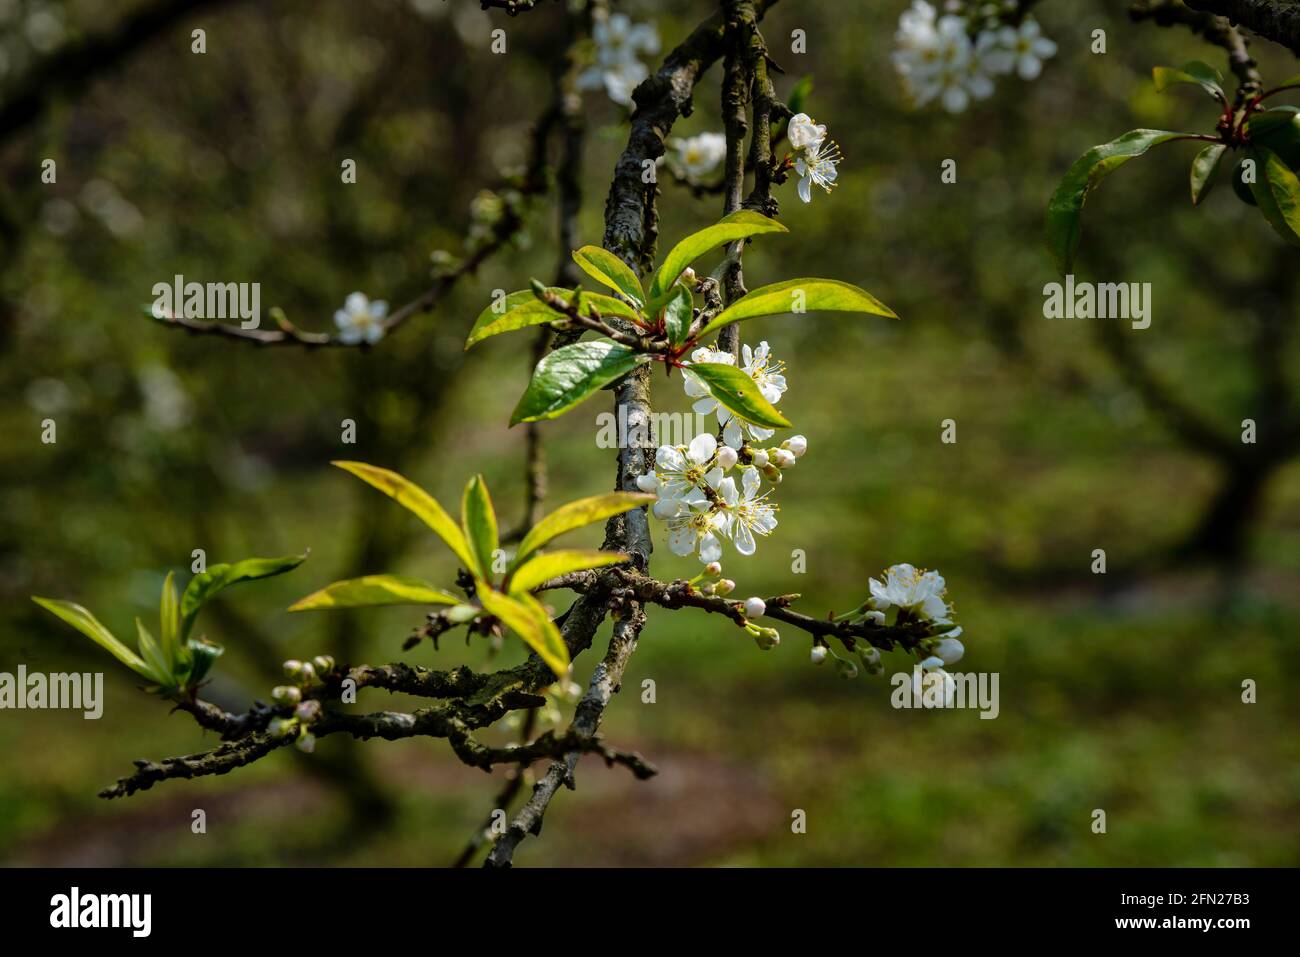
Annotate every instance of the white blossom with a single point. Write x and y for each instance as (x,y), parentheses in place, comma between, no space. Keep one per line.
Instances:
(919,592)
(619,45)
(804,132)
(817,167)
(698,155)
(755,607)
(751,513)
(361,320)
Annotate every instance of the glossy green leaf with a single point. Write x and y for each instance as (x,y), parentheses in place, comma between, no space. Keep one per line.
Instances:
(1277,193)
(521,310)
(802,295)
(478,519)
(1267,122)
(738,225)
(735,389)
(608,270)
(576,514)
(411,496)
(202,588)
(570,374)
(1205,169)
(541,568)
(373,590)
(1196,73)
(90,626)
(1066,204)
(521,617)
(203,654)
(678,313)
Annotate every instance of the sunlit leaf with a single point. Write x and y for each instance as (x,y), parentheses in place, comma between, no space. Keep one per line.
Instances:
(678,313)
(159,670)
(810,295)
(374,590)
(607,269)
(735,389)
(738,225)
(541,568)
(1277,193)
(584,511)
(90,626)
(1205,169)
(520,310)
(1196,73)
(523,619)
(478,520)
(424,505)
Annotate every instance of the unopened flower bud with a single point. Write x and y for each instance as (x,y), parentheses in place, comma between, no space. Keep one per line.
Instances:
(783,458)
(949,650)
(797,445)
(323,664)
(870,658)
(818,654)
(760,458)
(308,711)
(767,638)
(688,277)
(713,569)
(292,668)
(845,668)
(648,482)
(772,474)
(279,727)
(727,457)
(308,674)
(931,663)
(755,607)
(306,742)
(724,587)
(286,695)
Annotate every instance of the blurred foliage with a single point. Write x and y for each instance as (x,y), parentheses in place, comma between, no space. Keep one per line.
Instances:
(1122,693)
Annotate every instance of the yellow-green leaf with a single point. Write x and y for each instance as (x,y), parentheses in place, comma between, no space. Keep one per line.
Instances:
(520,614)
(576,514)
(424,505)
(520,310)
(90,626)
(204,586)
(159,671)
(797,296)
(169,625)
(541,568)
(1277,192)
(478,519)
(374,590)
(737,390)
(607,269)
(738,225)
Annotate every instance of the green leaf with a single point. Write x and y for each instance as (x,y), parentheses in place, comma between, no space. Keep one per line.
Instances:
(169,623)
(202,588)
(90,626)
(678,313)
(1066,204)
(738,392)
(542,568)
(151,652)
(1197,73)
(608,270)
(1269,121)
(570,374)
(738,225)
(523,309)
(204,655)
(1205,169)
(575,514)
(520,615)
(478,519)
(1277,193)
(372,590)
(818,295)
(411,496)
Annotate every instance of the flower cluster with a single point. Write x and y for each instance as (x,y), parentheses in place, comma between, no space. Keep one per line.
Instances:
(361,320)
(297,712)
(700,499)
(618,67)
(816,157)
(953,58)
